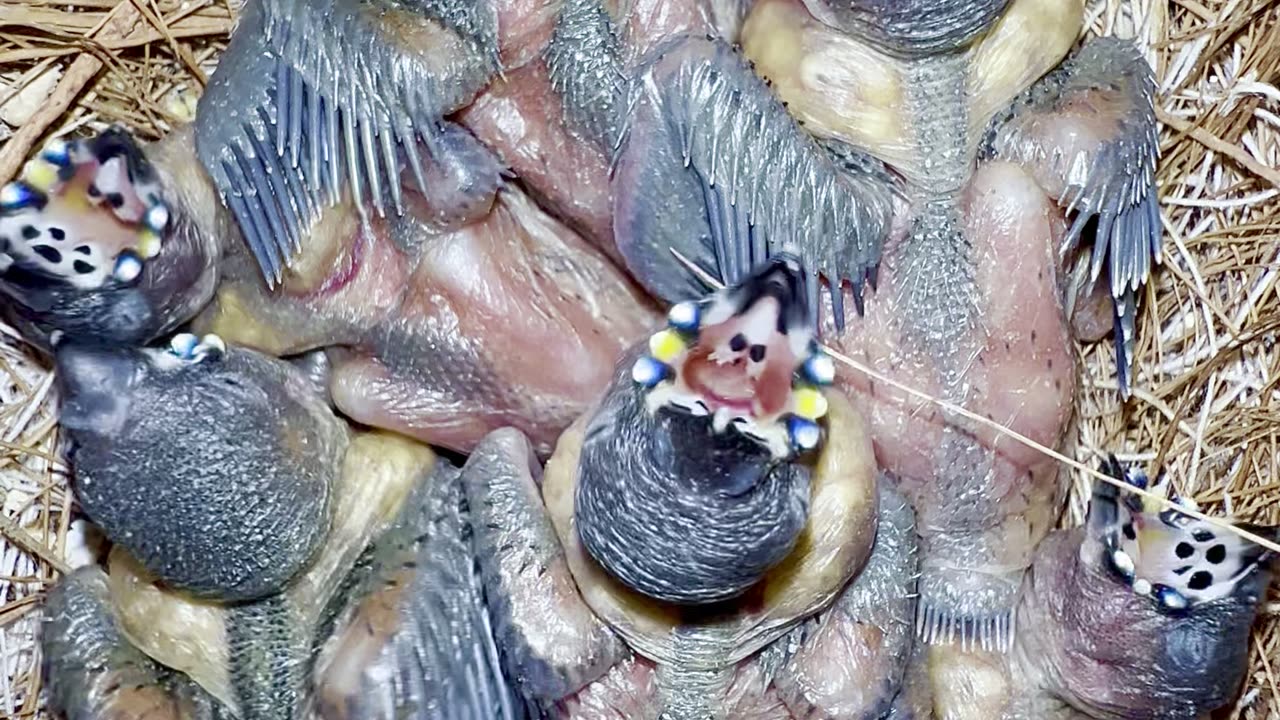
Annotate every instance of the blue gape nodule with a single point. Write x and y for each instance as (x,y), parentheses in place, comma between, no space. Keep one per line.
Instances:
(397,218)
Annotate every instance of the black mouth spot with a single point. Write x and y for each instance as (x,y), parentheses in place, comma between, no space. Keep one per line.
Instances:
(1200,580)
(1216,554)
(48,253)
(82,267)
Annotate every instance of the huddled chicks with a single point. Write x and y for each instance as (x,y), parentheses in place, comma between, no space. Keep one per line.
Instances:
(397,225)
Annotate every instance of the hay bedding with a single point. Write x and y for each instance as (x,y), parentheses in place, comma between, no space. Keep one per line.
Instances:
(1207,403)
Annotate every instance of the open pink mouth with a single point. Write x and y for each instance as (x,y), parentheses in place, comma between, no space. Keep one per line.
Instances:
(721,385)
(734,379)
(746,357)
(80,215)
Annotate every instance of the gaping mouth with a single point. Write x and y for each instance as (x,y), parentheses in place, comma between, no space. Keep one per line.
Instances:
(84,212)
(1174,558)
(746,358)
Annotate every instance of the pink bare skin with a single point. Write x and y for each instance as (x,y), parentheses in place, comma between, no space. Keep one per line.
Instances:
(446,333)
(519,117)
(1023,377)
(522,118)
(524,319)
(626,692)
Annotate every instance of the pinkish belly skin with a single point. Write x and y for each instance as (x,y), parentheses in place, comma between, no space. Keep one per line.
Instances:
(1000,497)
(510,319)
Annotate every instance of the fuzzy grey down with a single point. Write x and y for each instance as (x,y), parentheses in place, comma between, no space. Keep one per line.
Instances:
(677,511)
(216,474)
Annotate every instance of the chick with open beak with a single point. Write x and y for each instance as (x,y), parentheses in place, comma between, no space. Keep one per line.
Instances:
(687,490)
(711,538)
(101,243)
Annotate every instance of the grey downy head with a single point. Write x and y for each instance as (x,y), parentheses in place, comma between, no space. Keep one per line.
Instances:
(694,475)
(94,248)
(911,27)
(1154,619)
(212,467)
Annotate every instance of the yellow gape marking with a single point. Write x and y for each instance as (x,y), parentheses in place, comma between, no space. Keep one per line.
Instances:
(809,403)
(666,346)
(148,244)
(40,175)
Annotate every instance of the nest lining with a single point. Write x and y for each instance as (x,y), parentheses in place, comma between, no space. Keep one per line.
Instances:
(1206,407)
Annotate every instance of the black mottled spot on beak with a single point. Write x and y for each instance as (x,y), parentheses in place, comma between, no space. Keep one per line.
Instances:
(783,279)
(48,253)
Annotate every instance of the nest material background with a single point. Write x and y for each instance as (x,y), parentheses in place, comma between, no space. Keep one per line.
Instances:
(1207,400)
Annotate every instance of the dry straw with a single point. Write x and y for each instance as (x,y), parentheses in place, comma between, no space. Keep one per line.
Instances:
(1207,405)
